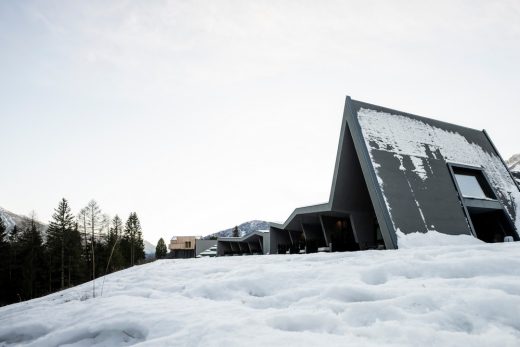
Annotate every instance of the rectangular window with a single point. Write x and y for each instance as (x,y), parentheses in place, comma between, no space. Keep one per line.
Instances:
(470,186)
(486,216)
(187,244)
(472,183)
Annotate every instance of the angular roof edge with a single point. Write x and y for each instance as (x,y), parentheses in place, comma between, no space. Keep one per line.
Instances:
(243,238)
(376,195)
(326,207)
(394,111)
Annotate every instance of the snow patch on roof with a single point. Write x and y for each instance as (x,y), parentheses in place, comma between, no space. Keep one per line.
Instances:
(403,135)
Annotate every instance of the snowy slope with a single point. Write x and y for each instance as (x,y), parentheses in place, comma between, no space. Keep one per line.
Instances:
(462,295)
(244,229)
(514,166)
(514,163)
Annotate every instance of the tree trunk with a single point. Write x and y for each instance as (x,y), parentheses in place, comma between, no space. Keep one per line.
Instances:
(69,272)
(50,273)
(93,256)
(85,234)
(62,259)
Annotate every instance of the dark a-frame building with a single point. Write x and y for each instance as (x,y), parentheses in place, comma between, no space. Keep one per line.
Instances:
(400,173)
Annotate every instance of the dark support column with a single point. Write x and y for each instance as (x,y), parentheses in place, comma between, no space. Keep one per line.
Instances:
(314,232)
(234,247)
(279,238)
(326,231)
(253,247)
(241,248)
(295,236)
(260,242)
(223,248)
(290,237)
(364,229)
(313,237)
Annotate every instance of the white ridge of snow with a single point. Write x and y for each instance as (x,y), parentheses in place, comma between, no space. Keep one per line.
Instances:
(458,295)
(406,136)
(419,167)
(434,238)
(7,219)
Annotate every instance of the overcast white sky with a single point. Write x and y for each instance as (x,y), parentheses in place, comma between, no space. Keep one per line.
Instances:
(200,115)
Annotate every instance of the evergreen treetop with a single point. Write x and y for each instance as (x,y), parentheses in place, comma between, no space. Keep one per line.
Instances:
(160,249)
(3,231)
(133,240)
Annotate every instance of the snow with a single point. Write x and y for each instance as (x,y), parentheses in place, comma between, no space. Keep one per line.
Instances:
(467,293)
(7,219)
(514,163)
(411,137)
(433,238)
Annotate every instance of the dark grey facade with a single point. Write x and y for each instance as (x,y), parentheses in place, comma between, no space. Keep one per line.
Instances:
(257,242)
(398,172)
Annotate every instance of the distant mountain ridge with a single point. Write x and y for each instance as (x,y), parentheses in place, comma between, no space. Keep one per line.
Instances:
(514,166)
(11,219)
(243,229)
(149,248)
(514,163)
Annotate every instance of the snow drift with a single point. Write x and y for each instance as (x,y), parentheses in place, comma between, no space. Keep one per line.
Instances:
(434,238)
(451,296)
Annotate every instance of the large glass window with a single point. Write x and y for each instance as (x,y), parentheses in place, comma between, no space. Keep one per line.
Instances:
(470,186)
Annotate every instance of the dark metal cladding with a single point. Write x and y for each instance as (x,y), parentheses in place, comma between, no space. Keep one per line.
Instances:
(376,191)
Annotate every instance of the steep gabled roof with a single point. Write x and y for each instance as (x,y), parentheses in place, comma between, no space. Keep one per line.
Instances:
(396,164)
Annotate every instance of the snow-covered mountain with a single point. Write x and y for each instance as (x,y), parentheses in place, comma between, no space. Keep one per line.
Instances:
(11,219)
(454,295)
(514,163)
(514,166)
(149,249)
(243,229)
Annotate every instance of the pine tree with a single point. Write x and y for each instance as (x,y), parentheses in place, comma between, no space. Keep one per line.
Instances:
(14,235)
(32,262)
(115,258)
(3,230)
(4,263)
(4,242)
(92,226)
(82,226)
(75,264)
(58,233)
(14,277)
(133,243)
(236,232)
(160,249)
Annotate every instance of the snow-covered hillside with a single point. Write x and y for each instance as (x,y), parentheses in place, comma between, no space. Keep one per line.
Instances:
(462,295)
(514,163)
(149,248)
(11,219)
(514,166)
(244,229)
